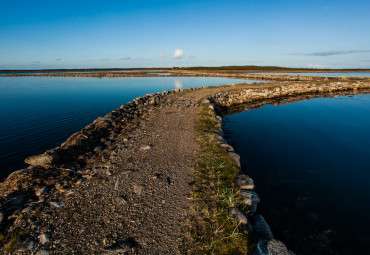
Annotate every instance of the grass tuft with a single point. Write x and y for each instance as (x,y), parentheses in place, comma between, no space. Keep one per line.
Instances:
(213,231)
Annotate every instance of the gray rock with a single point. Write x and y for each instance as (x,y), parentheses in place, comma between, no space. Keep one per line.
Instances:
(146,147)
(220,139)
(42,252)
(44,238)
(98,149)
(271,247)
(244,182)
(56,204)
(41,191)
(249,197)
(226,146)
(117,183)
(238,215)
(43,159)
(261,228)
(138,189)
(250,200)
(205,101)
(118,250)
(126,171)
(219,132)
(26,246)
(121,200)
(235,158)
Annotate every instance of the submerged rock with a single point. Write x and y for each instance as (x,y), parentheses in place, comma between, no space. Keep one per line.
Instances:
(261,228)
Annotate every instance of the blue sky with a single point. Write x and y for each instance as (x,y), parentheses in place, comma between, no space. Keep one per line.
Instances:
(87,34)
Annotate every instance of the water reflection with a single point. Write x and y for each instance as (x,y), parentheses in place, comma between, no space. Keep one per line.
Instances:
(178,84)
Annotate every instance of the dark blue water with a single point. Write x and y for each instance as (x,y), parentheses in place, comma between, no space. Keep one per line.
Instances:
(310,161)
(38,113)
(349,74)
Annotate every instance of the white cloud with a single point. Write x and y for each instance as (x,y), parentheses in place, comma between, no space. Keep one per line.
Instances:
(330,53)
(105,59)
(126,58)
(178,54)
(317,66)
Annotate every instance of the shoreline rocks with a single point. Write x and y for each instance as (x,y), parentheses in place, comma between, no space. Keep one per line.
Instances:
(220,103)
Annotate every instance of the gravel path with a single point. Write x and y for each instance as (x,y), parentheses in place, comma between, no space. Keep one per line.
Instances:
(133,198)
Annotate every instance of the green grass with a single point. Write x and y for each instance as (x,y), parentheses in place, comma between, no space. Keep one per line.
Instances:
(213,230)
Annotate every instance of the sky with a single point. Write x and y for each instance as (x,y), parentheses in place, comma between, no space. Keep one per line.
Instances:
(123,34)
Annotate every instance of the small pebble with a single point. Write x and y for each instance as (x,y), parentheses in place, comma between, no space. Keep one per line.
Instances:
(42,252)
(44,238)
(56,204)
(41,191)
(146,148)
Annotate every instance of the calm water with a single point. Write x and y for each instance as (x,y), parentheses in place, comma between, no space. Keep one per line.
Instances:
(38,113)
(310,161)
(350,74)
(37,72)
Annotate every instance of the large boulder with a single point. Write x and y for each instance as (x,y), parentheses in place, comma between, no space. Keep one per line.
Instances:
(43,159)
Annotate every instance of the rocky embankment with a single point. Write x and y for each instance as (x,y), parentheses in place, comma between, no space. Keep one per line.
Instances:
(229,102)
(123,183)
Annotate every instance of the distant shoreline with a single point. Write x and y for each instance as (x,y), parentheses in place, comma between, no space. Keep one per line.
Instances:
(221,68)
